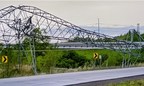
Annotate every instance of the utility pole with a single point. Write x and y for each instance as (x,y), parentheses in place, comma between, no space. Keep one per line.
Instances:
(98,30)
(138,27)
(98,26)
(132,34)
(138,32)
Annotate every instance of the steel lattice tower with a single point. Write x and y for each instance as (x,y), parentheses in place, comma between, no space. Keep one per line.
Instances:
(17,23)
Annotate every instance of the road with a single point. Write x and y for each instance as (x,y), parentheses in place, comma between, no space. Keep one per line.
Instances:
(72,78)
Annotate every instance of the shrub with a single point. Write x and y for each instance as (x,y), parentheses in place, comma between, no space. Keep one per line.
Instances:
(71,59)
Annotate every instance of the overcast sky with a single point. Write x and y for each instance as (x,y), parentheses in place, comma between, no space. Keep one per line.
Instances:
(86,12)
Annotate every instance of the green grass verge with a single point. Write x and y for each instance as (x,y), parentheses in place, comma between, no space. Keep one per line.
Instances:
(130,83)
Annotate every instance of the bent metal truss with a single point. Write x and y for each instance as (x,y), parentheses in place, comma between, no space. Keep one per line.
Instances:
(16,23)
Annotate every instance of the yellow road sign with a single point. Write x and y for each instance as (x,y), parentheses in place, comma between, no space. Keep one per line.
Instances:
(96,55)
(4,59)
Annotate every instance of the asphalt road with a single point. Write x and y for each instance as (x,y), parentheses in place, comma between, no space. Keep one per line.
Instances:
(72,78)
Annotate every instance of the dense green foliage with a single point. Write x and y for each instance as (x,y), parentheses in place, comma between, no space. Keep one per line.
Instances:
(60,59)
(14,62)
(111,58)
(70,59)
(48,61)
(127,36)
(141,59)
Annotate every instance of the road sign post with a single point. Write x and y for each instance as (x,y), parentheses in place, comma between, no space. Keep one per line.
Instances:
(100,59)
(95,56)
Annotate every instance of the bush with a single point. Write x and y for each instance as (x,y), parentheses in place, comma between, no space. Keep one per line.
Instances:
(71,59)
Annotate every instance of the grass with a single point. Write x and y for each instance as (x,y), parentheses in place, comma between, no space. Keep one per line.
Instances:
(129,83)
(112,55)
(47,63)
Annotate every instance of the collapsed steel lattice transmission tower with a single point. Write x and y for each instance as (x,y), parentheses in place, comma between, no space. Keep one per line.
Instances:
(17,23)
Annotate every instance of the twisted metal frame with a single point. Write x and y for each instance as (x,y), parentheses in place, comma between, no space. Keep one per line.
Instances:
(18,22)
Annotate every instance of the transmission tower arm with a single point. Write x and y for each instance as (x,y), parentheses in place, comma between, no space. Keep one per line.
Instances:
(7,10)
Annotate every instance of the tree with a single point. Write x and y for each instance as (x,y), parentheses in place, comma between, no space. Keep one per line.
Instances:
(41,43)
